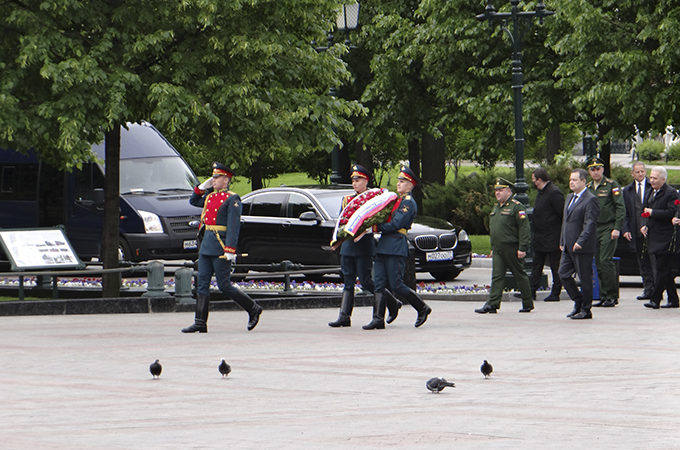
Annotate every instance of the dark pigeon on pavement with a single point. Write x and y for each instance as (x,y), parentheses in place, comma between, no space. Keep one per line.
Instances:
(224,368)
(486,369)
(156,369)
(437,384)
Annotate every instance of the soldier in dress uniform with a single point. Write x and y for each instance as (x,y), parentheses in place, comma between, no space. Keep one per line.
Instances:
(609,226)
(220,226)
(392,251)
(510,234)
(356,259)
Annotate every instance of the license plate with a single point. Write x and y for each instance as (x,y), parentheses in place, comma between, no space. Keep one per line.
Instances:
(439,256)
(190,245)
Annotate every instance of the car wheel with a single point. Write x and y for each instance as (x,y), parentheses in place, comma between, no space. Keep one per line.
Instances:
(446,275)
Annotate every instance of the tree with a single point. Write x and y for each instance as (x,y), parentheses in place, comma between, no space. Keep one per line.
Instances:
(239,76)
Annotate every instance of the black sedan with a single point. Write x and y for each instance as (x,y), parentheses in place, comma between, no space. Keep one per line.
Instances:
(297,223)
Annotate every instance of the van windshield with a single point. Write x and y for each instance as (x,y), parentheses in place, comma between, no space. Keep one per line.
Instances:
(150,175)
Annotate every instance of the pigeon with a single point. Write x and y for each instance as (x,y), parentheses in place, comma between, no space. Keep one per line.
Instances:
(156,369)
(224,368)
(437,384)
(486,369)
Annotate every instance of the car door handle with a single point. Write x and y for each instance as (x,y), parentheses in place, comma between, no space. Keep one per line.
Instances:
(285,224)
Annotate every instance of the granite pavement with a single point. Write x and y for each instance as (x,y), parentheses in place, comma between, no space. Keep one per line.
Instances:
(82,381)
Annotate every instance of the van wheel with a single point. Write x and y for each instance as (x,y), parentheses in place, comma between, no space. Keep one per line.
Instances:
(123,251)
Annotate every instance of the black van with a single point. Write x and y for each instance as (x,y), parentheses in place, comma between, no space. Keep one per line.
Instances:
(155,186)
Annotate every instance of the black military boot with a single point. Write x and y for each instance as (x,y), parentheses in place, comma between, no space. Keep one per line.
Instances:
(346,307)
(393,306)
(248,304)
(201,318)
(379,305)
(420,306)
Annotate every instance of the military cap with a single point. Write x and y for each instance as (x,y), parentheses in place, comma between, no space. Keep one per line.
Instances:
(359,171)
(220,169)
(405,173)
(503,183)
(594,162)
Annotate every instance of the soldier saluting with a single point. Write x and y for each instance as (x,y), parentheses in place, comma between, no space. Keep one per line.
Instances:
(220,226)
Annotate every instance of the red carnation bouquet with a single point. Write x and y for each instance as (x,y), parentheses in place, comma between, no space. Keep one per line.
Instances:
(365,210)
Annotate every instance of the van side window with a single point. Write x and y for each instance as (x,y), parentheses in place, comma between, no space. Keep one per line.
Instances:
(18,182)
(268,205)
(87,180)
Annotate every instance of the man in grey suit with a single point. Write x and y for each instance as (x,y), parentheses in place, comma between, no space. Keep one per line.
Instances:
(578,243)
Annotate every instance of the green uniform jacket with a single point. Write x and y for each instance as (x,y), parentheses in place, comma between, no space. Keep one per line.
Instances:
(509,225)
(612,206)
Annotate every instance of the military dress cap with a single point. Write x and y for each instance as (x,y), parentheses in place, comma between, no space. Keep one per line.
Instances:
(405,173)
(359,171)
(594,162)
(220,169)
(503,183)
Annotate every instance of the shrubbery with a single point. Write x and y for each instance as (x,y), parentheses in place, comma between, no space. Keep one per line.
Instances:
(650,150)
(468,201)
(674,152)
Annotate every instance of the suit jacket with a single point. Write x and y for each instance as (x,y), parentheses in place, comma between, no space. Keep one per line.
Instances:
(660,230)
(633,221)
(547,223)
(580,223)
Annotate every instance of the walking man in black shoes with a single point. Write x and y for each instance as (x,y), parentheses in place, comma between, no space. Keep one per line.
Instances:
(220,226)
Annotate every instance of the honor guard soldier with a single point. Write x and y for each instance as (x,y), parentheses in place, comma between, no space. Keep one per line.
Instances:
(356,259)
(392,251)
(509,233)
(609,225)
(220,226)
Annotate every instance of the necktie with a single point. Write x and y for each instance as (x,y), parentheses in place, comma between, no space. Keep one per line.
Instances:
(573,201)
(639,191)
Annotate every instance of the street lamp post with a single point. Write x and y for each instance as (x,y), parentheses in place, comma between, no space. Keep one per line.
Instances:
(521,23)
(346,21)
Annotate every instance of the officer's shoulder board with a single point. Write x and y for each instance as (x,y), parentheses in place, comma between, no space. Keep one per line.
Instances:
(590,184)
(515,202)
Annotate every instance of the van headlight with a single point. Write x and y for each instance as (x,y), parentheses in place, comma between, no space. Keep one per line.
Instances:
(463,236)
(152,223)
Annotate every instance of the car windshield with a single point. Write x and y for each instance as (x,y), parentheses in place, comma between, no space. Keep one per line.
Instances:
(331,201)
(147,175)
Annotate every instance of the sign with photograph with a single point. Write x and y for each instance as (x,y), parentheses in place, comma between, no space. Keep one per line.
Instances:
(39,248)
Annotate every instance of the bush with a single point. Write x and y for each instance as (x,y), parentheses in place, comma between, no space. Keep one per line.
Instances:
(650,150)
(674,152)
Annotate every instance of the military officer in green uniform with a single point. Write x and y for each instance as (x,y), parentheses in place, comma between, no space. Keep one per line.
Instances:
(609,224)
(510,234)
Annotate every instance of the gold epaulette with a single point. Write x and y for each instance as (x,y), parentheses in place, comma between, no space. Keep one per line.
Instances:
(403,231)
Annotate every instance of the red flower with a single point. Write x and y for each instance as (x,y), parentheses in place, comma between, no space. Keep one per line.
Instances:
(677,202)
(645,214)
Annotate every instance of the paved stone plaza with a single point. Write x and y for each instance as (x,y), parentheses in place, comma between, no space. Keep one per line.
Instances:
(82,381)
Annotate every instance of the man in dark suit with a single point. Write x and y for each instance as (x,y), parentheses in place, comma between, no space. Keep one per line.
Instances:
(660,209)
(547,224)
(578,243)
(635,196)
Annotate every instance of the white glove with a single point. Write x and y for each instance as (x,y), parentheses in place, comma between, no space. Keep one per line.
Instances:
(231,257)
(207,184)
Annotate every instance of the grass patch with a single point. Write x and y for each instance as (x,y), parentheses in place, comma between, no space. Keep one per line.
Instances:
(14,299)
(481,244)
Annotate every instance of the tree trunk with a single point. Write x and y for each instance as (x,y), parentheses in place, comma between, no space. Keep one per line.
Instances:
(345,164)
(434,164)
(414,164)
(256,174)
(554,144)
(363,157)
(605,147)
(111,281)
